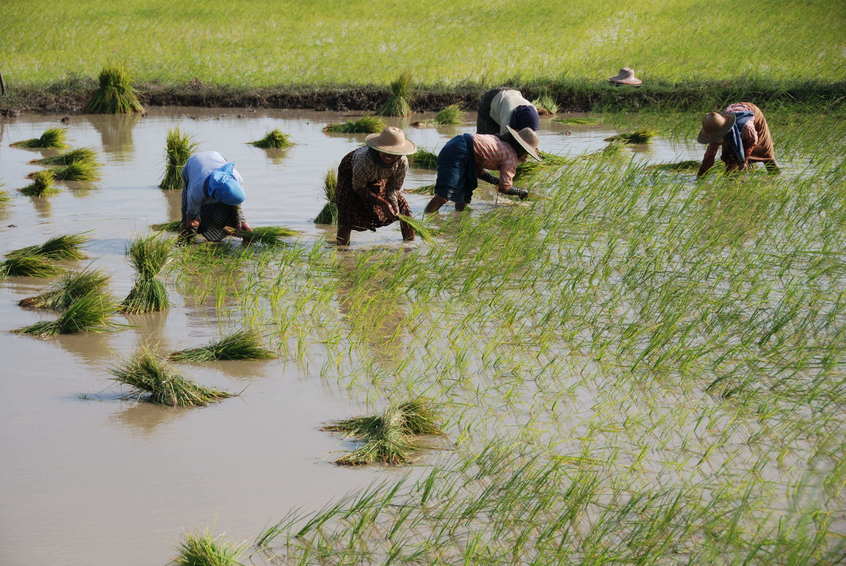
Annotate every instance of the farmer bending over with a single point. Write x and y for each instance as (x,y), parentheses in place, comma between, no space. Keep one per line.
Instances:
(503,107)
(369,182)
(212,197)
(464,158)
(742,131)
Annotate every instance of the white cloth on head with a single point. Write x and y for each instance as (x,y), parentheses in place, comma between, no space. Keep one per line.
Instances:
(196,171)
(503,105)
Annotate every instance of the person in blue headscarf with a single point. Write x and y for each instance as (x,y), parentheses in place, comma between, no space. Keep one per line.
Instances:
(211,200)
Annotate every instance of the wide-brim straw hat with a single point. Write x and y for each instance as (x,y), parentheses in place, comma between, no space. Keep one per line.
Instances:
(626,76)
(392,141)
(528,139)
(715,126)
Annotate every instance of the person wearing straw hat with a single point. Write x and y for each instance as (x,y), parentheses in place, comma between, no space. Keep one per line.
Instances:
(370,179)
(466,157)
(744,135)
(626,77)
(211,200)
(502,107)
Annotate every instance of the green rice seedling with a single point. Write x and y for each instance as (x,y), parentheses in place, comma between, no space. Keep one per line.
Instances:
(531,167)
(418,226)
(53,138)
(91,312)
(329,212)
(78,171)
(423,159)
(115,94)
(178,150)
(449,115)
(637,136)
(241,345)
(267,235)
(68,289)
(148,256)
(689,166)
(545,104)
(150,377)
(172,226)
(65,247)
(28,266)
(398,101)
(73,156)
(274,139)
(205,550)
(579,121)
(146,295)
(41,186)
(364,125)
(422,190)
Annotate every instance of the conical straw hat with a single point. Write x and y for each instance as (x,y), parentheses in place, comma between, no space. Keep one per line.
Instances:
(392,141)
(626,76)
(715,126)
(528,139)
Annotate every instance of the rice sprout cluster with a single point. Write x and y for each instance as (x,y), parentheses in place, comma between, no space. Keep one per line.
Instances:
(115,93)
(240,345)
(148,255)
(178,150)
(52,138)
(274,139)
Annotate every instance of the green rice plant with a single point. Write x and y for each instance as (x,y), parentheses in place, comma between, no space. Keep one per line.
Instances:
(274,139)
(418,226)
(41,186)
(364,125)
(546,104)
(148,255)
(267,235)
(329,212)
(449,115)
(689,166)
(28,266)
(172,226)
(91,312)
(579,121)
(115,94)
(73,156)
(422,190)
(637,136)
(68,289)
(398,101)
(52,138)
(240,345)
(150,377)
(549,161)
(78,171)
(65,247)
(178,150)
(205,550)
(423,159)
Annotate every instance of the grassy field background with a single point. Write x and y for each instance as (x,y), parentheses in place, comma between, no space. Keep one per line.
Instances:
(320,42)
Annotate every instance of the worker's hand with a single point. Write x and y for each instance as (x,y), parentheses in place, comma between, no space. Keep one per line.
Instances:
(245,227)
(195,223)
(514,191)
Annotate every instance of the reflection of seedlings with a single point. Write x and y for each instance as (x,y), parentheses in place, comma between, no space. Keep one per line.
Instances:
(329,213)
(42,185)
(28,266)
(79,171)
(204,550)
(173,226)
(274,139)
(115,94)
(545,104)
(68,289)
(152,378)
(268,235)
(90,313)
(637,136)
(241,345)
(148,256)
(364,125)
(73,156)
(397,104)
(54,138)
(423,159)
(60,247)
(178,150)
(4,198)
(449,115)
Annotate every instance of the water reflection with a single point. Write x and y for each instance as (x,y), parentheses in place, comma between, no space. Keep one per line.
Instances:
(91,347)
(146,417)
(42,206)
(116,133)
(173,199)
(276,155)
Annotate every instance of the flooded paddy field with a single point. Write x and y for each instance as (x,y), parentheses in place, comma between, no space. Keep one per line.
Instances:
(667,354)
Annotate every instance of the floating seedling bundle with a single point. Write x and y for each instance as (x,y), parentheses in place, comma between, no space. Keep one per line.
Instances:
(329,213)
(204,550)
(77,171)
(28,266)
(545,104)
(89,313)
(398,101)
(449,116)
(68,289)
(637,136)
(57,248)
(74,156)
(267,235)
(178,150)
(151,378)
(115,95)
(241,345)
(148,256)
(423,159)
(41,186)
(274,139)
(53,138)
(364,125)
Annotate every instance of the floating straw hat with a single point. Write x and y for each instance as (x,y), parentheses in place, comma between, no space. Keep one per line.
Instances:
(715,126)
(528,139)
(392,141)
(626,76)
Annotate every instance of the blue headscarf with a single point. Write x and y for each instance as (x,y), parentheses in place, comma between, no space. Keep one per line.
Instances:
(733,139)
(224,187)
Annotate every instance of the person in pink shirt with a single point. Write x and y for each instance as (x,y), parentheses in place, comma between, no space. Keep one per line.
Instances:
(466,158)
(743,134)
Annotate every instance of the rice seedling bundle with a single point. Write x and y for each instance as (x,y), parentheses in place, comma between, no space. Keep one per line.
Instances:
(41,186)
(329,212)
(274,139)
(241,345)
(204,550)
(28,266)
(178,150)
(53,138)
(73,156)
(423,159)
(424,231)
(115,95)
(423,190)
(268,235)
(77,171)
(545,104)
(150,377)
(89,313)
(173,226)
(65,247)
(449,115)
(531,167)
(637,136)
(398,102)
(148,256)
(68,289)
(688,166)
(364,125)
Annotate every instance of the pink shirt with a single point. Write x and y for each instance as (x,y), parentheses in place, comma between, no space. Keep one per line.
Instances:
(494,154)
(748,132)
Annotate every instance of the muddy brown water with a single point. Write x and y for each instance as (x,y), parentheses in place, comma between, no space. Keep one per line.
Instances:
(91,479)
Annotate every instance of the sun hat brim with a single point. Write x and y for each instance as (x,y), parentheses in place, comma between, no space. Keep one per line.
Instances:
(717,135)
(529,149)
(406,148)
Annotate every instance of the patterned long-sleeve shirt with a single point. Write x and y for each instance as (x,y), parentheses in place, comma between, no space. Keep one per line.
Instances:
(494,154)
(366,174)
(748,133)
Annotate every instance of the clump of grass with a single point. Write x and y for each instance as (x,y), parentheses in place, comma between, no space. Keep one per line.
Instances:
(423,159)
(532,167)
(78,171)
(579,121)
(545,104)
(449,115)
(41,186)
(148,256)
(637,136)
(173,226)
(689,166)
(267,235)
(178,150)
(115,95)
(89,313)
(150,377)
(68,289)
(28,266)
(423,190)
(398,102)
(73,156)
(274,139)
(65,247)
(204,550)
(424,231)
(329,213)
(364,125)
(53,138)
(241,345)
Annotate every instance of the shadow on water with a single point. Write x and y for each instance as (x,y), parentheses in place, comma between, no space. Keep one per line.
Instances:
(146,417)
(116,134)
(173,199)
